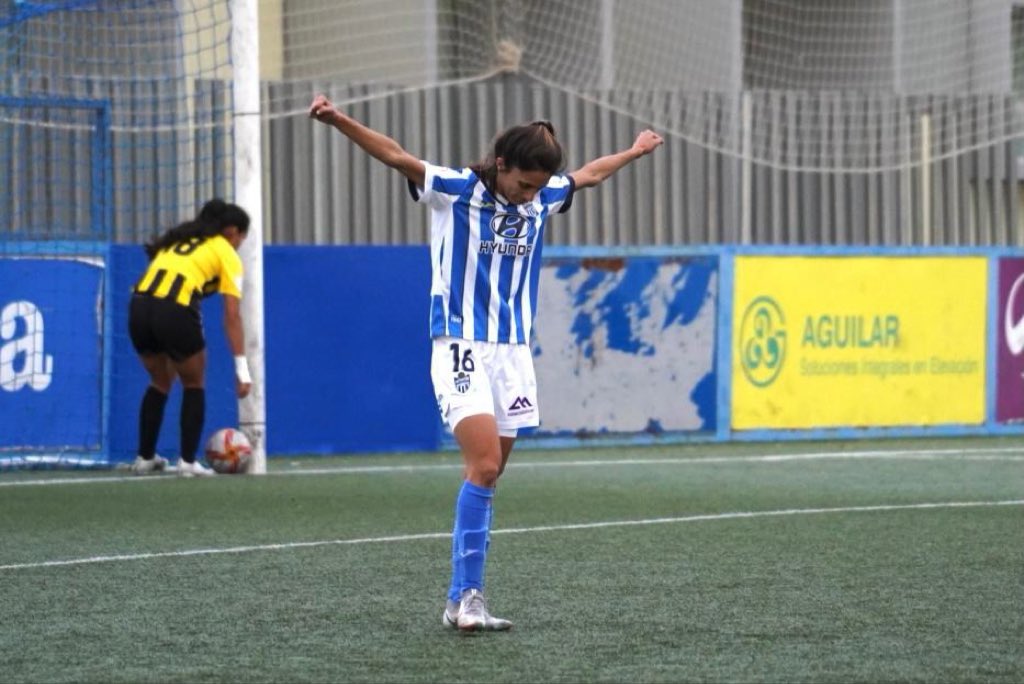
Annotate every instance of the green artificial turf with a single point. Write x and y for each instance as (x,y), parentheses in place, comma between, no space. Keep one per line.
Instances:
(659,581)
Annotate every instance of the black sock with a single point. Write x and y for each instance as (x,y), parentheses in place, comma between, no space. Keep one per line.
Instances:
(193,411)
(151,415)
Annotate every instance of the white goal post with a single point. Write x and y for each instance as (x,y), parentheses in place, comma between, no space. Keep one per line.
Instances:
(252,410)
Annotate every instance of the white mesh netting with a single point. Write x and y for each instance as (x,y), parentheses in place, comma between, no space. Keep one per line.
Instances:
(794,84)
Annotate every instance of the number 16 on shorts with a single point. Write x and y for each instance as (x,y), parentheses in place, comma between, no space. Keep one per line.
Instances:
(472,377)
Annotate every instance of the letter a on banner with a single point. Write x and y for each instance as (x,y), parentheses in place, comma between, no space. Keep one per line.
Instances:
(22,360)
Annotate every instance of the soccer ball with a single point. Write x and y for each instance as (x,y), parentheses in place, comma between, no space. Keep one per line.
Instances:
(228,451)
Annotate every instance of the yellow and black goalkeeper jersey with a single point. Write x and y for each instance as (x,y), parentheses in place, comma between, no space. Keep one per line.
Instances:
(188,271)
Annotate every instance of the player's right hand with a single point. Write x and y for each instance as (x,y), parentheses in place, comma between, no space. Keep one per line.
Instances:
(322,109)
(243,389)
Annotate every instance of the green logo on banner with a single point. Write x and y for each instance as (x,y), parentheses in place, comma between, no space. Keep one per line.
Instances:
(762,341)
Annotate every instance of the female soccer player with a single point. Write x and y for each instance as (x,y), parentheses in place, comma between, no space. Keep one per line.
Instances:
(193,260)
(487,224)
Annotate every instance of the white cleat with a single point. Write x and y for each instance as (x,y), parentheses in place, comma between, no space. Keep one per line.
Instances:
(450,619)
(194,469)
(145,466)
(473,615)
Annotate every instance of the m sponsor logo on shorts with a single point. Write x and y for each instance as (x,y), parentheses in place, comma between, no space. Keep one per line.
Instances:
(520,406)
(462,382)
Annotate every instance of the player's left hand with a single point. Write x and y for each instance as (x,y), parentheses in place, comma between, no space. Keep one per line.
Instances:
(647,141)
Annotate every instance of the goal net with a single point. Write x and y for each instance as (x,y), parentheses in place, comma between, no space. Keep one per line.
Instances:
(790,84)
(115,124)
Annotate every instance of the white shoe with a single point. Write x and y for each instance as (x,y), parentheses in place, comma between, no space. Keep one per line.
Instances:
(144,466)
(450,619)
(194,469)
(473,615)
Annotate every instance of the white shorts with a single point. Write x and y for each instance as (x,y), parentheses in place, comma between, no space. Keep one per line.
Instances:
(471,378)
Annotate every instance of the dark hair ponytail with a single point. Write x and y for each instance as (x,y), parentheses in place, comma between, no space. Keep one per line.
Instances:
(528,147)
(213,218)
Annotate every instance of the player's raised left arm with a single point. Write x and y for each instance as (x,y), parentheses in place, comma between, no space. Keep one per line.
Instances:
(593,172)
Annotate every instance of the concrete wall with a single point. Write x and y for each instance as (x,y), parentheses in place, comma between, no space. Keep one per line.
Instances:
(807,44)
(905,46)
(388,42)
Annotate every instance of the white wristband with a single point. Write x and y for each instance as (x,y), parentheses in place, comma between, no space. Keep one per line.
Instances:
(242,370)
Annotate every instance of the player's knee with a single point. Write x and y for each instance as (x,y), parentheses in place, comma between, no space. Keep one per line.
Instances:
(160,386)
(484,474)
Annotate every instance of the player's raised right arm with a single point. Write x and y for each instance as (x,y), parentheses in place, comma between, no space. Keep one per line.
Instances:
(377,145)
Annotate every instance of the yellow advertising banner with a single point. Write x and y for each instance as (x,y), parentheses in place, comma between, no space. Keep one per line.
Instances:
(826,342)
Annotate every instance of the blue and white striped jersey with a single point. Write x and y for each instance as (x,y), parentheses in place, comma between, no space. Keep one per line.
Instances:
(486,254)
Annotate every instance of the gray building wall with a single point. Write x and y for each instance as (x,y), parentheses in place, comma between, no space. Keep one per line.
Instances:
(904,46)
(953,46)
(811,45)
(689,44)
(390,42)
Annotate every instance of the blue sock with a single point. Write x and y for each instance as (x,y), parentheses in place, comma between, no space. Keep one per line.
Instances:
(490,513)
(469,538)
(455,586)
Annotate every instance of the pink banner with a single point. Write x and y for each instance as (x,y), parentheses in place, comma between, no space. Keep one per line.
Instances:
(1010,342)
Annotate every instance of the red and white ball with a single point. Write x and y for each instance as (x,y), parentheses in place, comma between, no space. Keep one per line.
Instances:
(228,451)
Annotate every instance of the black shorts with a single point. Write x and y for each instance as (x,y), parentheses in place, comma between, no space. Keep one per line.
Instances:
(162,326)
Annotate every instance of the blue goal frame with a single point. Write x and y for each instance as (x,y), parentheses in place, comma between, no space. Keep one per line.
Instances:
(101,171)
(96,244)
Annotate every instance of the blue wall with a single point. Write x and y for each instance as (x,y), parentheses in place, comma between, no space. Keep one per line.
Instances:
(348,354)
(51,353)
(347,348)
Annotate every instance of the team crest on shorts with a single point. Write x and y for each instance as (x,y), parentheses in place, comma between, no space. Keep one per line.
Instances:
(462,382)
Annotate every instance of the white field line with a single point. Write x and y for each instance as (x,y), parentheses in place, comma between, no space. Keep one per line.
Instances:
(515,530)
(995,454)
